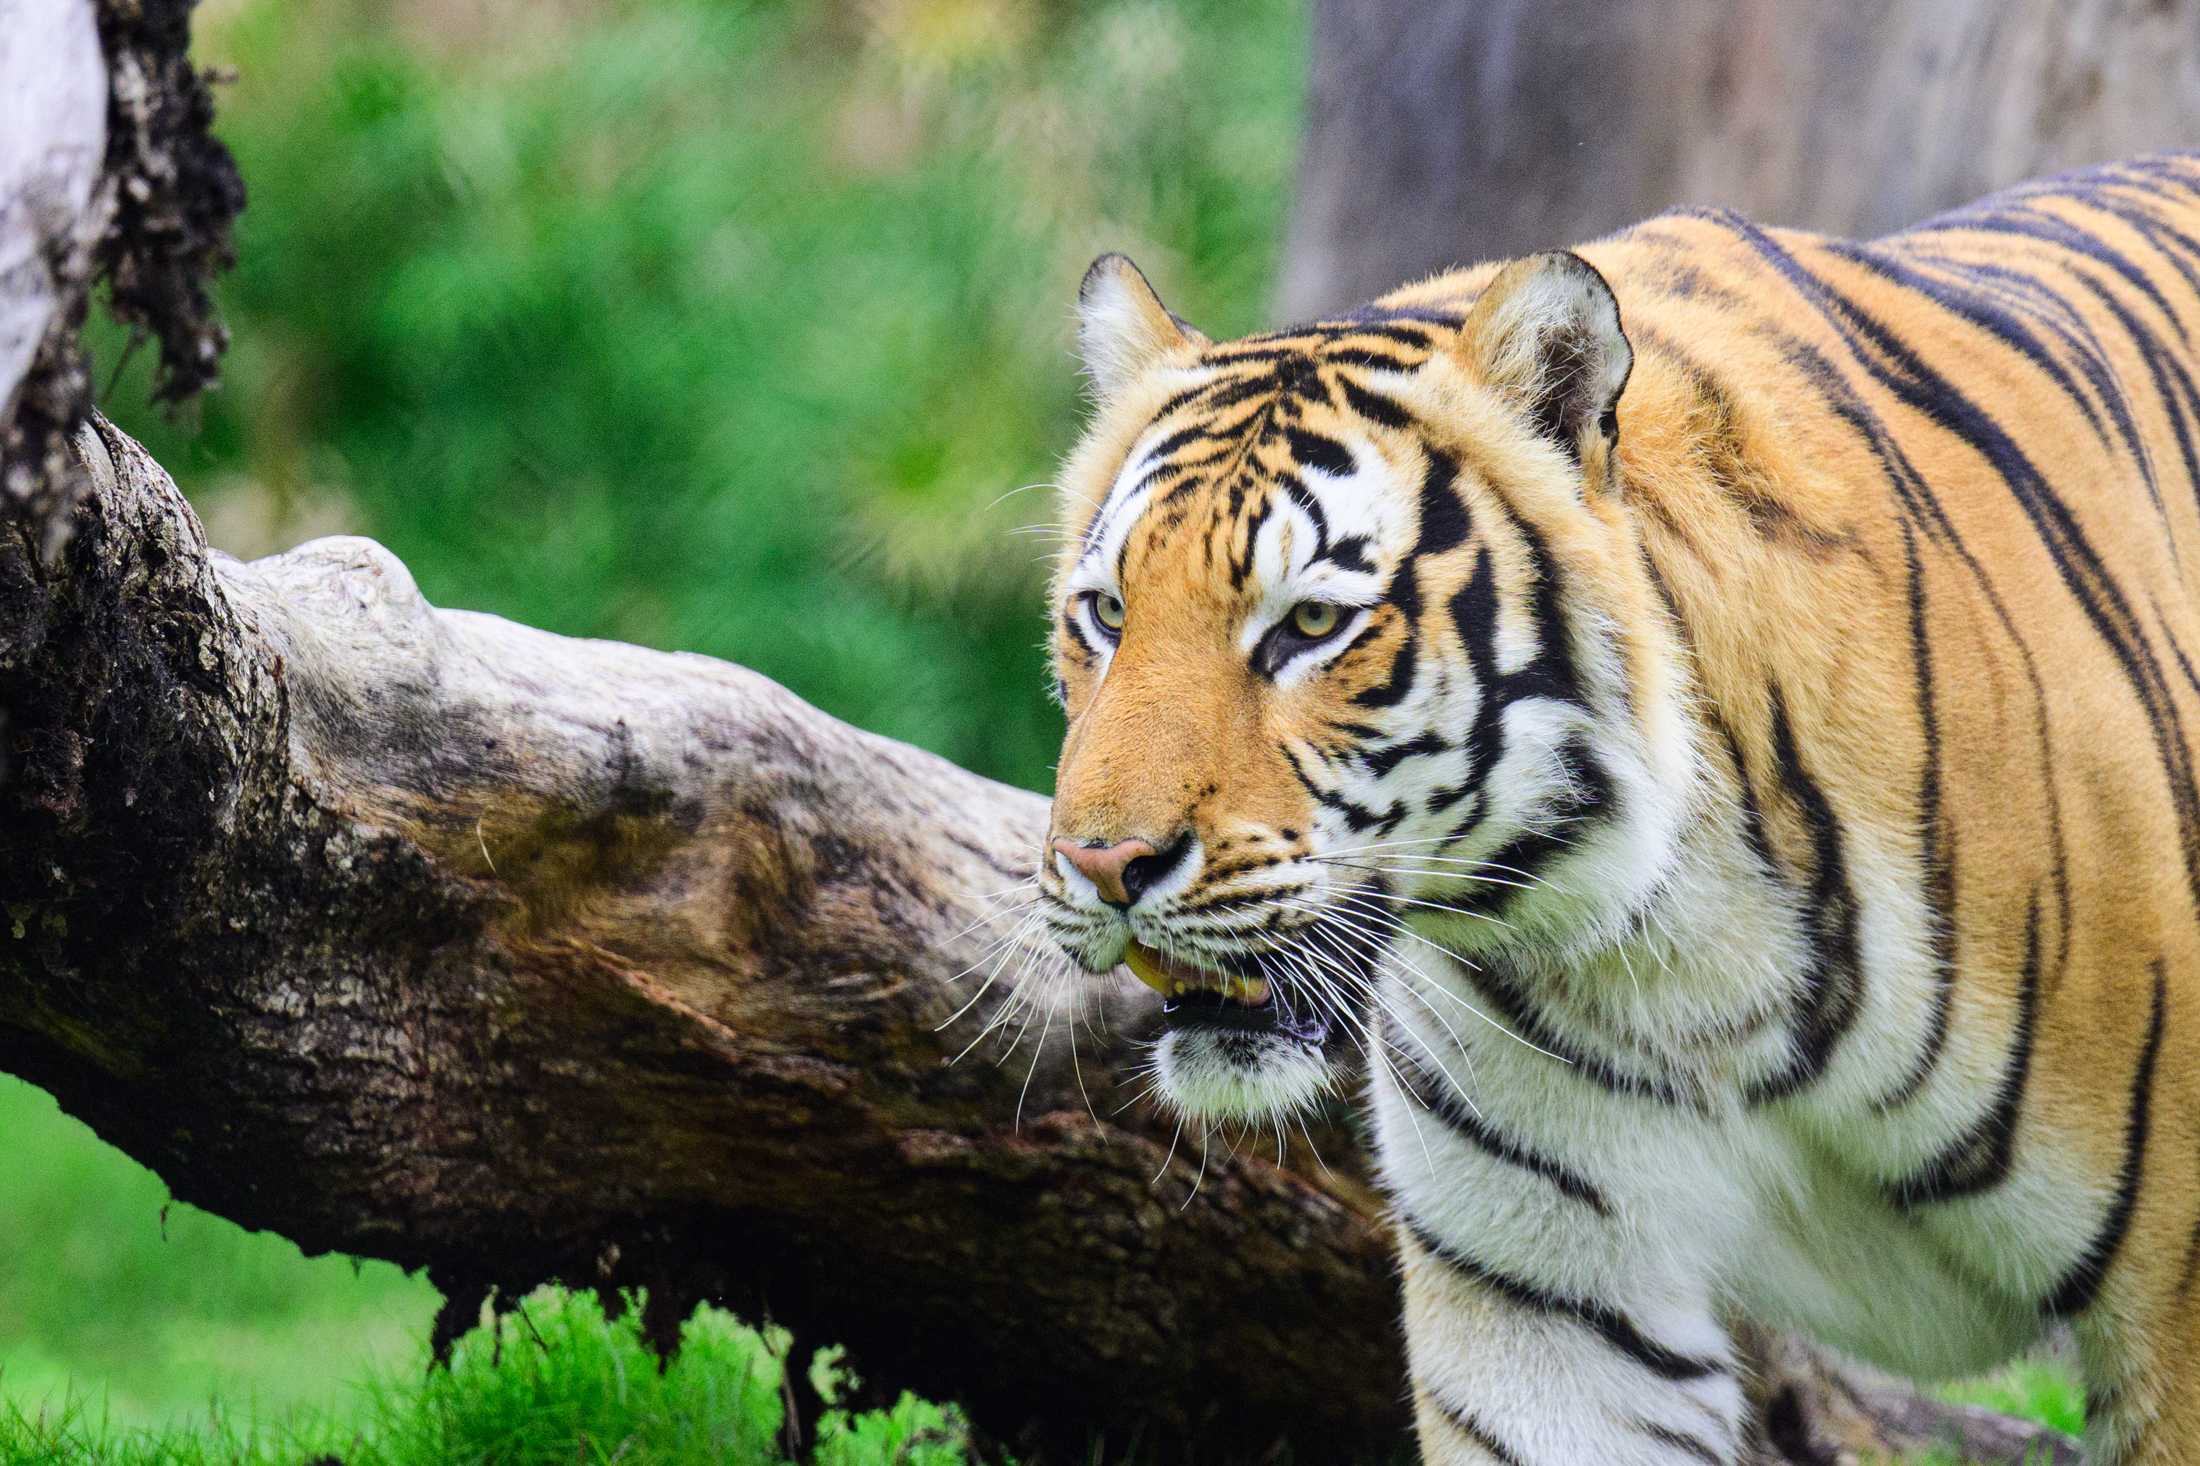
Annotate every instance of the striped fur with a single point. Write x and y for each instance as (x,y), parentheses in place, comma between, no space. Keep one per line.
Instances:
(1752,833)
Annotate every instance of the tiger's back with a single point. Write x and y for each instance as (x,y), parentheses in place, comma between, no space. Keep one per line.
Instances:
(1932,536)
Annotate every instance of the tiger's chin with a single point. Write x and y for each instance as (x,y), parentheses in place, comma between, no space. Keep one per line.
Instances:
(1211,1072)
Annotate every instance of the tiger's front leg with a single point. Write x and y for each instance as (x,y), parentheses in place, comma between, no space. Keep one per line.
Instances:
(1510,1373)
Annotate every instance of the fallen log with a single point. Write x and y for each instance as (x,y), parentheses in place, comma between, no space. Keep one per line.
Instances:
(428,936)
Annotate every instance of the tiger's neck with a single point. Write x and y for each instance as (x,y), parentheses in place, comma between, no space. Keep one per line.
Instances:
(1650,907)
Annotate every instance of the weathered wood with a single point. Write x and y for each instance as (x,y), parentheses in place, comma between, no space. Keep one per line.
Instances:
(1446,131)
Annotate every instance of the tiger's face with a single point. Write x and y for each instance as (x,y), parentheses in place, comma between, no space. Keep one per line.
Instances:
(1332,632)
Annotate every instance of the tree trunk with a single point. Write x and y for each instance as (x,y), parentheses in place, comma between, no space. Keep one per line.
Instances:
(426,936)
(1446,131)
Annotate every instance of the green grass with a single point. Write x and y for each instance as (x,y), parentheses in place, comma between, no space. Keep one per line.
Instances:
(2034,1390)
(555,1384)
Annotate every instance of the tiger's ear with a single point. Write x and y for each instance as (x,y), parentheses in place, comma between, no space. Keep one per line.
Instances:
(1546,333)
(1122,326)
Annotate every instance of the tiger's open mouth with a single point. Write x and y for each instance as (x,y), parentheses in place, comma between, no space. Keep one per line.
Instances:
(1197,997)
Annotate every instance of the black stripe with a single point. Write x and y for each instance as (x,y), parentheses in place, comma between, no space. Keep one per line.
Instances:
(1356,730)
(1695,1447)
(1241,560)
(1380,761)
(1551,673)
(1496,985)
(1264,352)
(1436,1095)
(1445,797)
(1398,681)
(1964,298)
(1753,814)
(2190,1273)
(1909,486)
(1444,521)
(1195,394)
(1589,795)
(1403,592)
(1475,1431)
(1357,817)
(1314,450)
(1374,405)
(1473,610)
(1402,335)
(1979,1159)
(1833,992)
(1424,315)
(2175,248)
(2185,667)
(2172,383)
(2029,223)
(1935,845)
(1295,489)
(1262,387)
(2046,304)
(2082,571)
(1474,614)
(1181,438)
(1374,361)
(1914,383)
(1607,1322)
(2077,1291)
(1350,553)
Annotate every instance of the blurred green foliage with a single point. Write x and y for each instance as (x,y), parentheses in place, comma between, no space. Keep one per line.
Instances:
(731,327)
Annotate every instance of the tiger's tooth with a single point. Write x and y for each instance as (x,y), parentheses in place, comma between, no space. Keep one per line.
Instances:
(1145,965)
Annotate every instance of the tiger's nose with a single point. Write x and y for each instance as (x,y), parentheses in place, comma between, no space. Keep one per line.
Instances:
(1126,870)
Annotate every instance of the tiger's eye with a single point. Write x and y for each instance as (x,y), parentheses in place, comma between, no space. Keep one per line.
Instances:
(1315,619)
(1108,611)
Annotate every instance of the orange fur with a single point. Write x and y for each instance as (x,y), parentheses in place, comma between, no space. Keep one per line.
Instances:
(1925,503)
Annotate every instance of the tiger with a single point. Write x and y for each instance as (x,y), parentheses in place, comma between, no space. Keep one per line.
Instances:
(1698,732)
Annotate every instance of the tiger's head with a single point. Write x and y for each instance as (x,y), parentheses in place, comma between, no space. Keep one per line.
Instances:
(1345,630)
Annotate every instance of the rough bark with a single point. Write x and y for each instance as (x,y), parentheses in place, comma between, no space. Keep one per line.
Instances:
(1446,131)
(426,936)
